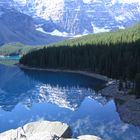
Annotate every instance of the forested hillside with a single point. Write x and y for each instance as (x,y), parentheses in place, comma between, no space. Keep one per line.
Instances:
(131,34)
(115,54)
(16,49)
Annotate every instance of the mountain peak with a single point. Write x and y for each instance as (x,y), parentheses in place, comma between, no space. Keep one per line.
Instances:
(78,17)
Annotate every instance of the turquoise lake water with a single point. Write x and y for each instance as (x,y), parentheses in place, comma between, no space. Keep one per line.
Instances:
(27,96)
(17,57)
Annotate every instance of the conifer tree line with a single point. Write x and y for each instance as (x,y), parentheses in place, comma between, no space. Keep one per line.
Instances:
(117,60)
(121,61)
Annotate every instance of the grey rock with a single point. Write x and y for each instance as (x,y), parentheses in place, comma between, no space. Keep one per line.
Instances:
(129,110)
(42,130)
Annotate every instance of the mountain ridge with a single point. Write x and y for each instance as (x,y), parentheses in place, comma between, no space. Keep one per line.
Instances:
(19,27)
(52,21)
(82,16)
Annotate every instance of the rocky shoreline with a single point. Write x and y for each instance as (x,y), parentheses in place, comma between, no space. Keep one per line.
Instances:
(86,73)
(127,106)
(44,130)
(110,90)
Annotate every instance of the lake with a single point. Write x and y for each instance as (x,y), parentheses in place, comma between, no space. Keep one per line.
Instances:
(15,57)
(27,96)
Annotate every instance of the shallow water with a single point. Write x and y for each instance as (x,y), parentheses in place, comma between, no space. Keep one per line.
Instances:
(27,96)
(15,57)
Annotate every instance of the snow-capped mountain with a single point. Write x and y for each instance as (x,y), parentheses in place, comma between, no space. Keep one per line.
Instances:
(65,18)
(72,17)
(19,27)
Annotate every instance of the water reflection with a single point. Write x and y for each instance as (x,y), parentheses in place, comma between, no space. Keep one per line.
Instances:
(14,57)
(62,89)
(129,110)
(27,96)
(62,79)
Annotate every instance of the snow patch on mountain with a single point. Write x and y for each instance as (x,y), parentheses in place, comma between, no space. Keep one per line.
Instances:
(75,17)
(121,27)
(41,30)
(58,33)
(99,30)
(54,33)
(119,18)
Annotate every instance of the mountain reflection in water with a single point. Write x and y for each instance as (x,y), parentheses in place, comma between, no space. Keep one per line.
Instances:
(62,89)
(27,96)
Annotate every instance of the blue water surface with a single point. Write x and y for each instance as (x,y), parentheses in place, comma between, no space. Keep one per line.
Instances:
(14,57)
(27,96)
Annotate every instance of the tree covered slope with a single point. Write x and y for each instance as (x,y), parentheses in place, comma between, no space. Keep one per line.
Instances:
(129,35)
(115,54)
(16,49)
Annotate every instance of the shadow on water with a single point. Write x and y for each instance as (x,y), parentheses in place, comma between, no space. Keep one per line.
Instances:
(64,79)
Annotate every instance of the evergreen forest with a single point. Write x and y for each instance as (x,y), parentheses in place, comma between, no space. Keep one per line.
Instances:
(114,54)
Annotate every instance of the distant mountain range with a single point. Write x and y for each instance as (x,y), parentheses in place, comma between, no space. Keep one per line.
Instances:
(37,21)
(18,27)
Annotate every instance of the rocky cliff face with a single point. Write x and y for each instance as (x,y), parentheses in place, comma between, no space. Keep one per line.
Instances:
(39,18)
(81,16)
(19,27)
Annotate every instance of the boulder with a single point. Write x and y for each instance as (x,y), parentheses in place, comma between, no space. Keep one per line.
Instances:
(42,130)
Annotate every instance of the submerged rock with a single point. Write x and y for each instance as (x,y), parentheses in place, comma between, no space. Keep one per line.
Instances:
(42,130)
(129,110)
